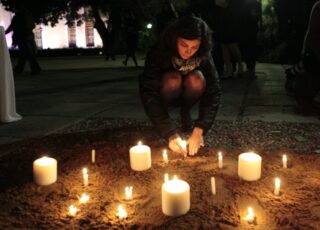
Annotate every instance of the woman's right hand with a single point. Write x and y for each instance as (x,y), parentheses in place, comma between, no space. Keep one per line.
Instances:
(177,145)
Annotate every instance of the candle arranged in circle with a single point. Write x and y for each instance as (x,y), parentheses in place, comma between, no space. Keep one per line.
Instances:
(249,166)
(140,157)
(84,198)
(183,144)
(45,171)
(165,156)
(277,184)
(128,192)
(175,197)
(93,156)
(284,161)
(122,213)
(213,185)
(73,210)
(250,216)
(85,176)
(220,160)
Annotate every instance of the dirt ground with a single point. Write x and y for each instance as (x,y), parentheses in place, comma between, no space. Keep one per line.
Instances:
(24,205)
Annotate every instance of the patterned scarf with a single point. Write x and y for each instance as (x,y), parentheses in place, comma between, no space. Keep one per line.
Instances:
(186,66)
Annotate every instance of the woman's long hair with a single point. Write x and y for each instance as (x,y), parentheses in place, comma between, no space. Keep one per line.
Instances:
(189,28)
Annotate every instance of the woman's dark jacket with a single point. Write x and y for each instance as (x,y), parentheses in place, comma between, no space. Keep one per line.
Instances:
(156,65)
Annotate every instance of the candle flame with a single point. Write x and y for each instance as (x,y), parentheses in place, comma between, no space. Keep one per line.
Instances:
(166,177)
(84,198)
(284,157)
(183,143)
(139,143)
(175,177)
(73,210)
(128,192)
(122,213)
(84,171)
(250,216)
(277,182)
(165,156)
(219,154)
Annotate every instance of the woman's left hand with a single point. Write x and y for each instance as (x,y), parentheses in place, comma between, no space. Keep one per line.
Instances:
(195,141)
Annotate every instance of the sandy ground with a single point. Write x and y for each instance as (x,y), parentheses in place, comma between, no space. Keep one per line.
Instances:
(24,205)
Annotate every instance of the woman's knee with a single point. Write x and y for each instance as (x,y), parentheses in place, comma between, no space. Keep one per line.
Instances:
(195,82)
(171,81)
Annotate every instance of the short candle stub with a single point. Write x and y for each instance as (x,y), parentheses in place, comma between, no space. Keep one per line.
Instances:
(122,213)
(165,156)
(284,161)
(250,217)
(277,185)
(220,160)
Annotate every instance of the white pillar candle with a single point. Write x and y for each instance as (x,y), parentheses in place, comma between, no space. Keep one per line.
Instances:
(277,184)
(250,216)
(128,192)
(175,197)
(140,157)
(85,176)
(165,156)
(213,185)
(220,160)
(45,171)
(93,156)
(284,161)
(249,166)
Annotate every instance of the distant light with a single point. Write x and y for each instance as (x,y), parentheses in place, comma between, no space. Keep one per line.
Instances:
(149,26)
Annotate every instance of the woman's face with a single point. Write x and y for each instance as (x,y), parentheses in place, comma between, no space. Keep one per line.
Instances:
(187,48)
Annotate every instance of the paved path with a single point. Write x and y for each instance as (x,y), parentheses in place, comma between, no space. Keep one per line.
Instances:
(72,89)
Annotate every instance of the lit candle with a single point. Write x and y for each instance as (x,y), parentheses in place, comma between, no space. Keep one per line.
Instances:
(45,171)
(73,210)
(165,156)
(140,157)
(122,213)
(84,198)
(93,156)
(166,177)
(277,183)
(213,185)
(250,216)
(128,192)
(183,144)
(249,166)
(220,160)
(85,177)
(284,161)
(175,197)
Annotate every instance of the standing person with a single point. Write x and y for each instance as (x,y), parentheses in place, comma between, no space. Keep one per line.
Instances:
(228,35)
(22,25)
(179,71)
(166,16)
(131,25)
(7,93)
(306,82)
(251,16)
